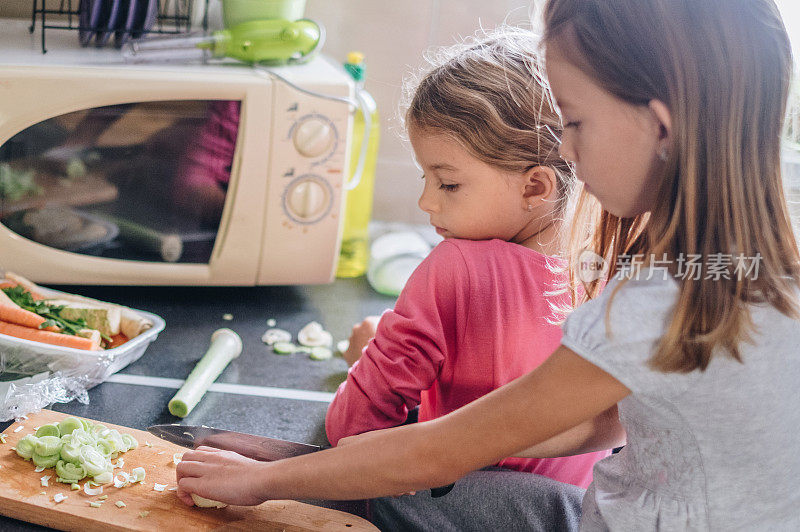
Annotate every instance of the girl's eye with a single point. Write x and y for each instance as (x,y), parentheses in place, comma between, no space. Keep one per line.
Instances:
(572,124)
(449,188)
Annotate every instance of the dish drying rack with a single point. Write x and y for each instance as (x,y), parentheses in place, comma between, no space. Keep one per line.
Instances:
(174,17)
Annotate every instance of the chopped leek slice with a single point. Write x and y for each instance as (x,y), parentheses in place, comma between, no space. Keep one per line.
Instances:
(51,429)
(138,474)
(45,461)
(95,504)
(58,497)
(69,424)
(105,477)
(284,348)
(320,353)
(202,502)
(120,504)
(48,445)
(70,472)
(93,462)
(26,446)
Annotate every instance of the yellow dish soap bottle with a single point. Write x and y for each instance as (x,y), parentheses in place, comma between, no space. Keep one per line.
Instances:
(354,253)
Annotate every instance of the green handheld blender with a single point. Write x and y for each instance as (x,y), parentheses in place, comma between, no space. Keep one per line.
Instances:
(269,41)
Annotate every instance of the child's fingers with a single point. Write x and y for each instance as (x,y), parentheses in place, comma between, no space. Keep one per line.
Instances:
(187,486)
(200,454)
(185,496)
(188,468)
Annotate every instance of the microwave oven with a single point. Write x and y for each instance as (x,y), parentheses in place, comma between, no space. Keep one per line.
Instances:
(119,174)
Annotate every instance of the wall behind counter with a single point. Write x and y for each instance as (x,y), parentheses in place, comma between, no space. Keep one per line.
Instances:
(392,35)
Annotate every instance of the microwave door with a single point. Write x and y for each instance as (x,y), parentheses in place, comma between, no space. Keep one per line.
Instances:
(141,182)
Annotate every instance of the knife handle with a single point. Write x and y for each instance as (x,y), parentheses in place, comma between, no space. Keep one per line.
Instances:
(442,491)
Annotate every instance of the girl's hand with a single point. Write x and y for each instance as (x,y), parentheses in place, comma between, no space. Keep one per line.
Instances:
(219,475)
(360,336)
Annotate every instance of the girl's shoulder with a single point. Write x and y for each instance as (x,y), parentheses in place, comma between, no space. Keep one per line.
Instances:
(497,251)
(619,330)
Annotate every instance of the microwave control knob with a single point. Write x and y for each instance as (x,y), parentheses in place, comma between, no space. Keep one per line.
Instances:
(313,137)
(307,199)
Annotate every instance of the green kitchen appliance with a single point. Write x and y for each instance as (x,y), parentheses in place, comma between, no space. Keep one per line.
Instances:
(268,41)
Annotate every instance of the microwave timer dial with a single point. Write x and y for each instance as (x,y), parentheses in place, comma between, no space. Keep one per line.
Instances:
(314,136)
(308,199)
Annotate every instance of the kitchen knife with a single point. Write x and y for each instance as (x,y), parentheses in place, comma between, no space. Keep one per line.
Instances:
(255,447)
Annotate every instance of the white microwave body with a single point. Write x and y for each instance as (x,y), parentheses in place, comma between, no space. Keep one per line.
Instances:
(280,209)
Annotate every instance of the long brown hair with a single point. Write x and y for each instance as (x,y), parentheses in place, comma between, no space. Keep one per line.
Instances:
(723,70)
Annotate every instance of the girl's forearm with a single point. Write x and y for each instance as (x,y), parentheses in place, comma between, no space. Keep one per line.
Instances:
(393,461)
(562,393)
(598,434)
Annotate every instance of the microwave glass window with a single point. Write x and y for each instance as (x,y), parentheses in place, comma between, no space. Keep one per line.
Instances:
(141,181)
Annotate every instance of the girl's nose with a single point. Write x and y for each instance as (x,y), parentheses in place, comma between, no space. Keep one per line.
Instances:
(426,201)
(566,152)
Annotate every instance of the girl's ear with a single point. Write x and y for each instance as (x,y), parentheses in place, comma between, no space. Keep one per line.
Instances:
(663,119)
(540,183)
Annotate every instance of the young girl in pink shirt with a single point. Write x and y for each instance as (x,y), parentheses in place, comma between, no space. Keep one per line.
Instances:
(483,308)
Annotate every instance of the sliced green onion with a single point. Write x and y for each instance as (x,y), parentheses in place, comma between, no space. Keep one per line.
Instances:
(48,445)
(69,424)
(320,353)
(51,429)
(26,446)
(45,461)
(93,462)
(104,478)
(130,442)
(138,474)
(70,471)
(284,348)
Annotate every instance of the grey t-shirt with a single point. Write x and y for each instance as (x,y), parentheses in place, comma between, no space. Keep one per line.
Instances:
(712,450)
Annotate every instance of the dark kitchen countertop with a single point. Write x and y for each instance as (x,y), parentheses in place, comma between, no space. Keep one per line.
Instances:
(192,314)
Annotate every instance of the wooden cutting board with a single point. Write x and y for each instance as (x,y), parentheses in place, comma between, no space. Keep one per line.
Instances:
(22,497)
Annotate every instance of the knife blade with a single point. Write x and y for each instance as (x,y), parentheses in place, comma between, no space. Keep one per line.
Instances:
(255,447)
(259,448)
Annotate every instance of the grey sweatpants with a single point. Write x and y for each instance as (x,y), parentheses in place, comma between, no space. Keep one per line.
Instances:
(490,499)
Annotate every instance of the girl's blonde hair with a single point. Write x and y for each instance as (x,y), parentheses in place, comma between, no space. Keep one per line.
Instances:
(722,67)
(489,94)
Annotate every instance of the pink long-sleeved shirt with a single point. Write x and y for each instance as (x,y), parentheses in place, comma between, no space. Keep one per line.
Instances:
(472,317)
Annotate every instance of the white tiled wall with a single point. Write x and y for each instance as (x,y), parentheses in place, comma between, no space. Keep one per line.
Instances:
(392,34)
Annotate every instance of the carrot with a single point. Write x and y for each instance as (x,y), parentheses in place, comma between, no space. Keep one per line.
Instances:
(13,313)
(117,340)
(47,337)
(5,283)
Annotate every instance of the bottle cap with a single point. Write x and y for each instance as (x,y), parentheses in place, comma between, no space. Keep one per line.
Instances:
(355,65)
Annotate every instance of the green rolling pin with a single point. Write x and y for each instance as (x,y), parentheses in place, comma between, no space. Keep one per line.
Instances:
(225,346)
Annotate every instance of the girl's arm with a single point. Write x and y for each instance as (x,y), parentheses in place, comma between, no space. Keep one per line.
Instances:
(562,393)
(598,434)
(409,347)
